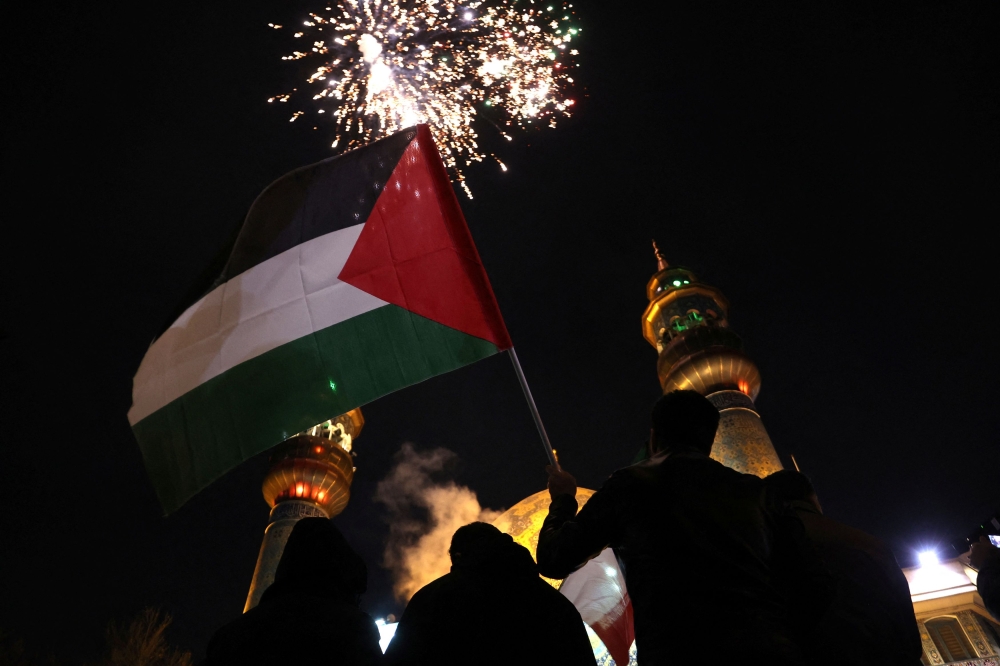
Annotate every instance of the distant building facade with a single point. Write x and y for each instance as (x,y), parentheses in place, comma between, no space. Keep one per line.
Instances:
(955,627)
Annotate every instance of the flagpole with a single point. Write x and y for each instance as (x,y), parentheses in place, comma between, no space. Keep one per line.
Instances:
(553,460)
(534,410)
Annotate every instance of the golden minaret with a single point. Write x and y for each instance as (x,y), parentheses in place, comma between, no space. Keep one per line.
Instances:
(688,323)
(310,476)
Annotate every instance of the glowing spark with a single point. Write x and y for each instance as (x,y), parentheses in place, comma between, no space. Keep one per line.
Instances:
(391,64)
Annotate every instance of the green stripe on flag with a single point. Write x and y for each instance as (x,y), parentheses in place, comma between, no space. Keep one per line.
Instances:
(250,408)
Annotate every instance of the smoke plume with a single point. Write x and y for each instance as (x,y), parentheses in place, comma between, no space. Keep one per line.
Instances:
(424,512)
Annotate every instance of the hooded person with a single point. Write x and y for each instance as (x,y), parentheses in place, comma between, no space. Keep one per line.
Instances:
(310,614)
(713,568)
(492,608)
(871,618)
(985,557)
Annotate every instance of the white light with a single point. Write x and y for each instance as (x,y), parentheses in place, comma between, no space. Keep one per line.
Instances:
(468,16)
(494,68)
(370,48)
(928,558)
(385,633)
(610,571)
(379,78)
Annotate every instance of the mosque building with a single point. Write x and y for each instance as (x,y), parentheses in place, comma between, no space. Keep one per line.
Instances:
(687,322)
(955,627)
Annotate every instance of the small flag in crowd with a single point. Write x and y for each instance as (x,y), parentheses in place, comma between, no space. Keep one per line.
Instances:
(597,589)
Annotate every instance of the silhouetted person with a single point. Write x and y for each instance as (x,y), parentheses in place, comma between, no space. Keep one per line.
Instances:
(985,557)
(310,614)
(491,609)
(871,619)
(707,559)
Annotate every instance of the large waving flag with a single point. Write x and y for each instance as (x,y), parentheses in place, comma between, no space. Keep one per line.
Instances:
(351,278)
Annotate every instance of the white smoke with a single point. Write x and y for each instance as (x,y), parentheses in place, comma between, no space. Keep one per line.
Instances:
(423,515)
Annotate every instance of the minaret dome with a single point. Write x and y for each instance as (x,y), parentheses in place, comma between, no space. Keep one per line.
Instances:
(687,322)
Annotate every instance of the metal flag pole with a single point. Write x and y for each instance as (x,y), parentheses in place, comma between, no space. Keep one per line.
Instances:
(534,410)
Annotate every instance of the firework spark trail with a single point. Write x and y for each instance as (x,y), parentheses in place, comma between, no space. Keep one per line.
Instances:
(382,65)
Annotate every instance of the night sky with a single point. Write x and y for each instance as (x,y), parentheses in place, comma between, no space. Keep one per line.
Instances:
(834,172)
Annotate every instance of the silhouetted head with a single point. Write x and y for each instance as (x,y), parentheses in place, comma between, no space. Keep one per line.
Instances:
(318,560)
(790,486)
(473,538)
(683,421)
(480,546)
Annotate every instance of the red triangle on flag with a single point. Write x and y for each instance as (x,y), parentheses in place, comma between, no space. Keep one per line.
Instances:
(415,250)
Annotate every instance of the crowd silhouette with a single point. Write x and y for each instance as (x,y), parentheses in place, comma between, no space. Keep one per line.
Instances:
(720,566)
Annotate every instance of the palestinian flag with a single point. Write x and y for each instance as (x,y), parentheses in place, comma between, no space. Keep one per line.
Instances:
(597,589)
(351,278)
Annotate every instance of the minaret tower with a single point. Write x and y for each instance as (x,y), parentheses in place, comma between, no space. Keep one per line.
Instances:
(688,323)
(310,475)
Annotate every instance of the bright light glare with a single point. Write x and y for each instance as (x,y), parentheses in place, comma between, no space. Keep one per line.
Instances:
(385,633)
(928,558)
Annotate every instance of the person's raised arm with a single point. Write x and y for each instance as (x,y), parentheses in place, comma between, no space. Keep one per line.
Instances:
(567,540)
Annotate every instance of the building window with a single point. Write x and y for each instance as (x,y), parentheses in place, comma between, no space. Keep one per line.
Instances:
(950,639)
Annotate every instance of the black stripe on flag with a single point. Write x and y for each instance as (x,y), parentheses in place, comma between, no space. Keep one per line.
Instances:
(315,200)
(336,193)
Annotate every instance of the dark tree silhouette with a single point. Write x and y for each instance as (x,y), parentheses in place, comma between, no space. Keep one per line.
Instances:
(142,642)
(12,651)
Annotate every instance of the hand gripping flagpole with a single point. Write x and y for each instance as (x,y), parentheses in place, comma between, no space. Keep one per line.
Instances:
(534,410)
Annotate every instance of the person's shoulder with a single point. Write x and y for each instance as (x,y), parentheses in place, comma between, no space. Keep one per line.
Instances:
(552,596)
(992,563)
(351,613)
(822,526)
(247,623)
(644,469)
(623,478)
(694,464)
(233,637)
(663,467)
(430,593)
(843,531)
(436,584)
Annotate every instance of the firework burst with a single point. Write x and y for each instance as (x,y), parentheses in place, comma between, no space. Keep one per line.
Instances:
(377,66)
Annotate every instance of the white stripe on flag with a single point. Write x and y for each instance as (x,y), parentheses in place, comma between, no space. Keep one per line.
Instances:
(597,589)
(273,303)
